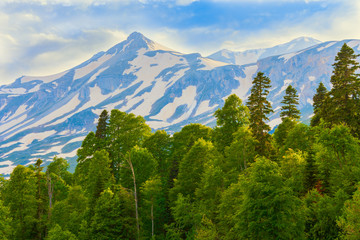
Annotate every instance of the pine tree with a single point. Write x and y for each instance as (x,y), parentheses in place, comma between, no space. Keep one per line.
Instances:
(259,108)
(319,104)
(102,125)
(289,109)
(344,95)
(310,171)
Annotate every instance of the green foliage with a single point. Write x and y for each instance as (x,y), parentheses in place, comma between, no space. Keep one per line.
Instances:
(239,155)
(20,197)
(349,222)
(185,216)
(208,194)
(99,175)
(321,214)
(5,222)
(310,172)
(337,159)
(192,167)
(282,131)
(290,101)
(153,210)
(70,212)
(343,98)
(102,125)
(206,230)
(259,108)
(300,137)
(269,209)
(292,167)
(56,233)
(125,131)
(85,154)
(114,216)
(183,141)
(144,167)
(319,105)
(228,119)
(160,145)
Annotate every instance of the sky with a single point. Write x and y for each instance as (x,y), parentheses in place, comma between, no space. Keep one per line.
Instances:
(44,37)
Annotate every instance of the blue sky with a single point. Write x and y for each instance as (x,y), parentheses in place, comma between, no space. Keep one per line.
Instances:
(42,37)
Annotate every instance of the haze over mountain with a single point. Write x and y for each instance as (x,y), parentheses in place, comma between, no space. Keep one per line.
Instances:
(46,116)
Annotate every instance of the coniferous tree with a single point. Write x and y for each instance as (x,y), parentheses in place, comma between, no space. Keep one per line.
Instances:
(310,171)
(344,95)
(319,104)
(102,125)
(289,109)
(259,108)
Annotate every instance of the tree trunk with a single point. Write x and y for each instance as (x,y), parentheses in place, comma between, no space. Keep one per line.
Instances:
(136,200)
(50,193)
(152,219)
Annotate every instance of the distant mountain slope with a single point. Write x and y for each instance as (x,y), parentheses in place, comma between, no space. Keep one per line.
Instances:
(253,55)
(45,116)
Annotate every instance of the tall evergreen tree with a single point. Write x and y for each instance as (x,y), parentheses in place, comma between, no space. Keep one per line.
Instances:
(310,171)
(291,100)
(319,104)
(102,125)
(344,95)
(259,108)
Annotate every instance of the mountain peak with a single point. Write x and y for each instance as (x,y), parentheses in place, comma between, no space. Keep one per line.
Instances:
(138,38)
(306,39)
(137,41)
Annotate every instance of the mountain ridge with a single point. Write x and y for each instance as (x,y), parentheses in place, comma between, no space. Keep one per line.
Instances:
(50,115)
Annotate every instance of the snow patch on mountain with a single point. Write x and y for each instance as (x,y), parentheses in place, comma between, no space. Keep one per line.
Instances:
(288,56)
(326,46)
(44,79)
(245,82)
(27,139)
(203,107)
(354,43)
(9,167)
(210,64)
(93,77)
(287,82)
(187,98)
(83,71)
(66,108)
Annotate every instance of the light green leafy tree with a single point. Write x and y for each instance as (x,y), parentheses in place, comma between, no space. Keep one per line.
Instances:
(20,197)
(269,209)
(114,216)
(228,119)
(57,233)
(349,222)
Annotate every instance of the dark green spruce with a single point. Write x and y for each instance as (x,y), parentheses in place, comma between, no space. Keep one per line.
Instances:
(260,108)
(290,102)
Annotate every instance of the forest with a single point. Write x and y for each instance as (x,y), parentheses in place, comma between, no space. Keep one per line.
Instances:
(233,181)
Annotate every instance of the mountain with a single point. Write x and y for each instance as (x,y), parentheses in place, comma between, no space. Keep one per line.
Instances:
(253,55)
(45,116)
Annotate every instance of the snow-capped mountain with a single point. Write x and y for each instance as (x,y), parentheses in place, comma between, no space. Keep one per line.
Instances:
(253,55)
(45,116)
